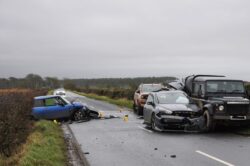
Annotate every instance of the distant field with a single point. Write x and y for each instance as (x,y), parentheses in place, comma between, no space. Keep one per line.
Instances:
(123,102)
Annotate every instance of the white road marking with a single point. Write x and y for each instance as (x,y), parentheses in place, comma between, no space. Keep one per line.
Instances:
(214,158)
(144,129)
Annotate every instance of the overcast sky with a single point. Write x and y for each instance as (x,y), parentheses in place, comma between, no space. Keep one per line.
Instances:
(124,38)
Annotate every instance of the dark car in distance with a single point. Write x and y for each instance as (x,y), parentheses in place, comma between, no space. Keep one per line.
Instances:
(170,110)
(57,107)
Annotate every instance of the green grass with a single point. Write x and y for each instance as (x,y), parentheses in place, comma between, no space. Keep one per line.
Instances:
(45,146)
(120,102)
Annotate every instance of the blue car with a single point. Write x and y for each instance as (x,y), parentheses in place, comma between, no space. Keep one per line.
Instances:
(57,107)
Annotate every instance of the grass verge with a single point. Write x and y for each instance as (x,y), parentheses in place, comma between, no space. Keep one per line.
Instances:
(120,102)
(45,146)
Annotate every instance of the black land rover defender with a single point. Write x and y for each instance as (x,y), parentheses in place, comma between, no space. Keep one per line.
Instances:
(222,100)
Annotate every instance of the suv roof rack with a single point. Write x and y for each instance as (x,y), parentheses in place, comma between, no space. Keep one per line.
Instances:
(201,75)
(195,76)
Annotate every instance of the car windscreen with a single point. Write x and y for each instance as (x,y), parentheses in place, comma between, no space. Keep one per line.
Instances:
(151,87)
(65,101)
(225,87)
(173,98)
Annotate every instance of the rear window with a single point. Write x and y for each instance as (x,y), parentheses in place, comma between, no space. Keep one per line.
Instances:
(39,103)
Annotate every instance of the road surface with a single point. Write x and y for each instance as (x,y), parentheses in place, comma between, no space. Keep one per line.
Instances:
(117,142)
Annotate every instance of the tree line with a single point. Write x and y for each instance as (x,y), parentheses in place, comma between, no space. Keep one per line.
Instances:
(32,81)
(35,81)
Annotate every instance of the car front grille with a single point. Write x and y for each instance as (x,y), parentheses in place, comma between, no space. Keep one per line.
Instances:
(237,109)
(184,113)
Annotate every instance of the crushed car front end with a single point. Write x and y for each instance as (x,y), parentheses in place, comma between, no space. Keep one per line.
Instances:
(179,120)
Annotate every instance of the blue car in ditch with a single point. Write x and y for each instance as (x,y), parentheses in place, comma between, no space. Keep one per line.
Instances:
(57,107)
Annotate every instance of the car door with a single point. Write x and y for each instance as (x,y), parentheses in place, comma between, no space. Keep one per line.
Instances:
(39,109)
(66,109)
(148,108)
(55,109)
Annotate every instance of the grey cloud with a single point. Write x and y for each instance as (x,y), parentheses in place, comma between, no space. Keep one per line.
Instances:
(110,38)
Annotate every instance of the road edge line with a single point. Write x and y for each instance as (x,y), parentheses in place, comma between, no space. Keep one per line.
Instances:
(140,127)
(78,148)
(214,158)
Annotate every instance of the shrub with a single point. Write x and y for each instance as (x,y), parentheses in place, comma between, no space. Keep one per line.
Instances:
(15,124)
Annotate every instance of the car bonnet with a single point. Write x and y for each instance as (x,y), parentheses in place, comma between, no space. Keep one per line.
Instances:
(179,107)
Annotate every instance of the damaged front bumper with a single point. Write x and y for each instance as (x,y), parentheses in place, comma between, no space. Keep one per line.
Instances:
(178,123)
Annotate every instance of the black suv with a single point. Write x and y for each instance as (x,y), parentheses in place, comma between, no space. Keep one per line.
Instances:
(222,100)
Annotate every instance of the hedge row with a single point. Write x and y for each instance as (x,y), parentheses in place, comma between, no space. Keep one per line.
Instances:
(15,123)
(115,93)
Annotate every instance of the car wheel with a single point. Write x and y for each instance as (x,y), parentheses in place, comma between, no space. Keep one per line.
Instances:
(208,121)
(134,108)
(78,115)
(140,111)
(153,126)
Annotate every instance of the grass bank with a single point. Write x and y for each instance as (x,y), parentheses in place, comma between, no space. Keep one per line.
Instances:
(120,102)
(45,146)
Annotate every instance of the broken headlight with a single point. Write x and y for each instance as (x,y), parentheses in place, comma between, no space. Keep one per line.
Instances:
(164,112)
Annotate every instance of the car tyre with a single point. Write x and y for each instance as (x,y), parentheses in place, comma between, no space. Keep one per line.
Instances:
(139,110)
(153,125)
(208,122)
(134,108)
(78,115)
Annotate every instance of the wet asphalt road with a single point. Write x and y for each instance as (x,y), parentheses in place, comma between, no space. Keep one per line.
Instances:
(115,142)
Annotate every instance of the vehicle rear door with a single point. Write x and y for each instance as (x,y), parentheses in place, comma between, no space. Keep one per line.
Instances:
(39,109)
